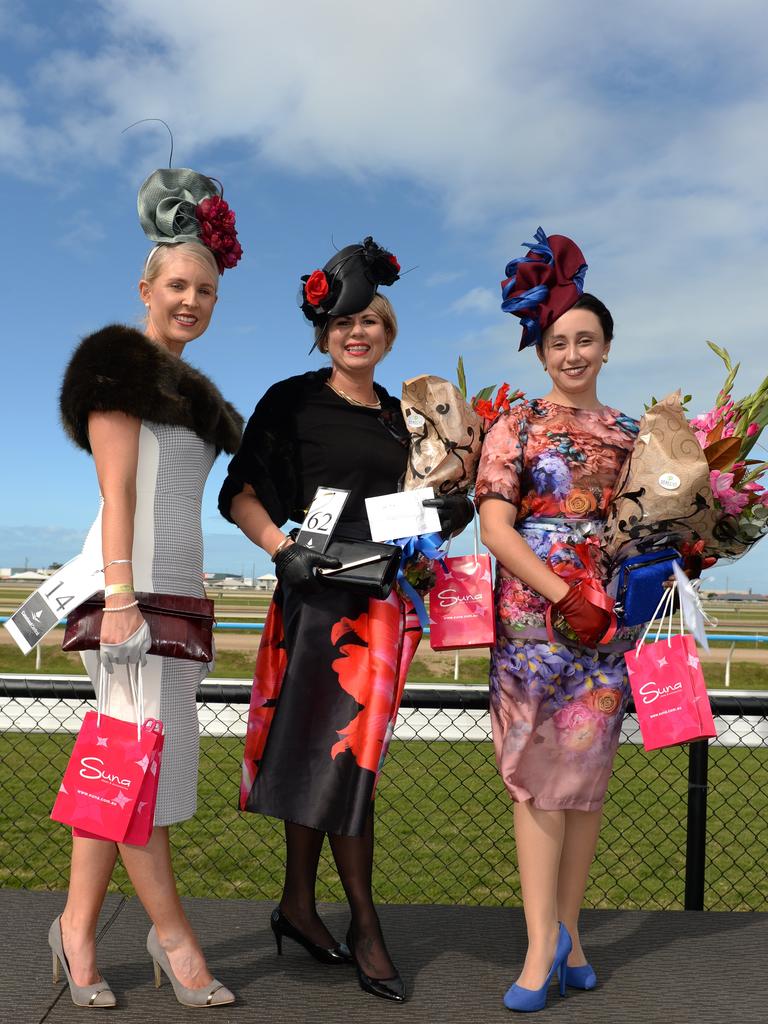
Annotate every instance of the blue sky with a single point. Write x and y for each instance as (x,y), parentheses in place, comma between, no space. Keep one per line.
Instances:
(448,131)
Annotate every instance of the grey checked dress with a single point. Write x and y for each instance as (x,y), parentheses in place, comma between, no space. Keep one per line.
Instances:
(173,465)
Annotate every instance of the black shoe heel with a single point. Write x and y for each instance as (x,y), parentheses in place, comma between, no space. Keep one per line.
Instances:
(278,937)
(281,926)
(384,988)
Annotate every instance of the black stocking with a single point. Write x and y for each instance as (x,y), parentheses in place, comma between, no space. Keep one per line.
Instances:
(354,860)
(302,853)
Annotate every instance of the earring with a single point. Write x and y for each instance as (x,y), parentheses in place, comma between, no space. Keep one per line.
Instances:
(605,358)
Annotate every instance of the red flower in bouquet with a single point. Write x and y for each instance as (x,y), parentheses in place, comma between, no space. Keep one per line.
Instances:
(218,233)
(491,409)
(316,287)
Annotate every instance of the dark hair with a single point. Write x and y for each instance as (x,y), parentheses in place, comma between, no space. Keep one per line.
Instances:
(601,311)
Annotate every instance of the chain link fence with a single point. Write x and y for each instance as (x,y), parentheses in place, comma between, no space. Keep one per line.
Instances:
(682,826)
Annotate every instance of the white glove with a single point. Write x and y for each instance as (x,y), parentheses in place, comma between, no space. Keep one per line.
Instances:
(130,651)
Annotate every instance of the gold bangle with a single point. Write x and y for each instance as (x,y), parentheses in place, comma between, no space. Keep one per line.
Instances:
(118,588)
(122,608)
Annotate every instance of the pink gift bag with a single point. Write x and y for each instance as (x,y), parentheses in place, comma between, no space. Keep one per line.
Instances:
(668,685)
(461,612)
(109,789)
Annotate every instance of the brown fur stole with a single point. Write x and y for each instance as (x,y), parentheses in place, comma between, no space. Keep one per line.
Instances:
(120,369)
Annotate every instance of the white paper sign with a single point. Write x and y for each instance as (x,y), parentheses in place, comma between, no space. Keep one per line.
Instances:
(53,600)
(392,516)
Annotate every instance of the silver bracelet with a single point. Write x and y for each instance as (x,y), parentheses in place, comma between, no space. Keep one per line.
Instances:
(280,546)
(122,607)
(119,561)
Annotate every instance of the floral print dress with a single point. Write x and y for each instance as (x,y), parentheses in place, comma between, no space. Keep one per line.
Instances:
(556,708)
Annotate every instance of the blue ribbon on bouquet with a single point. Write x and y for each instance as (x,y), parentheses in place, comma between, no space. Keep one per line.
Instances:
(428,545)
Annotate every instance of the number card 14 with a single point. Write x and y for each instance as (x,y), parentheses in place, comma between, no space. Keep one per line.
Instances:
(54,600)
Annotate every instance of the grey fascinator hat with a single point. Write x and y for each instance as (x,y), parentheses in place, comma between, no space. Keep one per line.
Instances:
(176,205)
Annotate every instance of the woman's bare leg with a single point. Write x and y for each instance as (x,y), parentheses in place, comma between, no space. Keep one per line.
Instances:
(582,829)
(151,873)
(539,839)
(93,861)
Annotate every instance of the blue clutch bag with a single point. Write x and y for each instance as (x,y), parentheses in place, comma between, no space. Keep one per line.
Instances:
(641,585)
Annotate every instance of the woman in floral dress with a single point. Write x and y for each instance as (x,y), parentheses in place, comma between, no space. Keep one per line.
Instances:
(546,474)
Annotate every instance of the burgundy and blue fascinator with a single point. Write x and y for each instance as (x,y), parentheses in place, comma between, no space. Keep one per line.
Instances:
(348,282)
(543,284)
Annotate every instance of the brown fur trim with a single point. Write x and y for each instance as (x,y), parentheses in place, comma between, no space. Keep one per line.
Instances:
(120,369)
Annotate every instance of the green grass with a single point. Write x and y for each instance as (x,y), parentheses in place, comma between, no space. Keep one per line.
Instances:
(444,828)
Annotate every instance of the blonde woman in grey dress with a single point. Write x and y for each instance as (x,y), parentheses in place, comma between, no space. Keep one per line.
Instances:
(154,426)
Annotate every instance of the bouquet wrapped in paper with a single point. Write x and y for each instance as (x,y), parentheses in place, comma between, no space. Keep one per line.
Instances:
(447,430)
(446,436)
(663,496)
(727,435)
(692,485)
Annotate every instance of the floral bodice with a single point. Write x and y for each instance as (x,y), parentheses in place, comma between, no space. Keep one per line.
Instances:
(557,465)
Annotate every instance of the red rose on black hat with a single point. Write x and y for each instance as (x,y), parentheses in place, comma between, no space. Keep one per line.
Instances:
(316,287)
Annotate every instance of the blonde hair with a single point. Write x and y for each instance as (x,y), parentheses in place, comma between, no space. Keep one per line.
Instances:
(193,250)
(382,307)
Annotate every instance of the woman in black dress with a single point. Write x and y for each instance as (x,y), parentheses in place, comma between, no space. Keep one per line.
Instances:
(332,663)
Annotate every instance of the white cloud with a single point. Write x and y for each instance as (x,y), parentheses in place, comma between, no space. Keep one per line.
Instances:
(441,277)
(493,108)
(635,130)
(476,300)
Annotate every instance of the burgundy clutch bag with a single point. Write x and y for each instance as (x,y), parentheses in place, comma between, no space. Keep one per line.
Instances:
(180,626)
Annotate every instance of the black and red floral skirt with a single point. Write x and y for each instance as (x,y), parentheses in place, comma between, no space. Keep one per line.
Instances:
(327,687)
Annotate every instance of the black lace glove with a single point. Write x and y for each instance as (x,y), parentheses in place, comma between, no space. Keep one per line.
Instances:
(295,567)
(455,511)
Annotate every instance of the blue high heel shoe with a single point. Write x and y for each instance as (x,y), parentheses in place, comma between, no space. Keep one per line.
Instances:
(529,1000)
(579,977)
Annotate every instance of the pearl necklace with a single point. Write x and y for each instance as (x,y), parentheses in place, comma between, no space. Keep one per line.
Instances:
(354,401)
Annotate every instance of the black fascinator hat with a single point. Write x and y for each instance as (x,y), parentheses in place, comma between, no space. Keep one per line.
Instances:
(348,282)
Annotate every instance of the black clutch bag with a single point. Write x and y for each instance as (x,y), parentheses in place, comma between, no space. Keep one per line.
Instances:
(375,577)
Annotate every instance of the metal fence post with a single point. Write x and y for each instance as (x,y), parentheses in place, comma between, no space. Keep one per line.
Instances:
(696,836)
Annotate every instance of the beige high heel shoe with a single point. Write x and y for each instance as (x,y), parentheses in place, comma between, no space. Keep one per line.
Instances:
(214,994)
(98,994)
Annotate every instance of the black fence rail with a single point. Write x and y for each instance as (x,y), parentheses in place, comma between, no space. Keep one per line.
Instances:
(683,827)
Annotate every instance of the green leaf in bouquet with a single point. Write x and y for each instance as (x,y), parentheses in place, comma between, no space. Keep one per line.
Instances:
(722,353)
(461,378)
(484,394)
(756,473)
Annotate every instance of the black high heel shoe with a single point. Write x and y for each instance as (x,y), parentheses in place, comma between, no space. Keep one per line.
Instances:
(281,926)
(385,988)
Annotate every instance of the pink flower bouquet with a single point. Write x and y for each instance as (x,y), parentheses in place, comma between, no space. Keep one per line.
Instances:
(727,435)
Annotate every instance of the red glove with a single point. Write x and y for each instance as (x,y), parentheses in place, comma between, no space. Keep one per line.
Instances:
(588,622)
